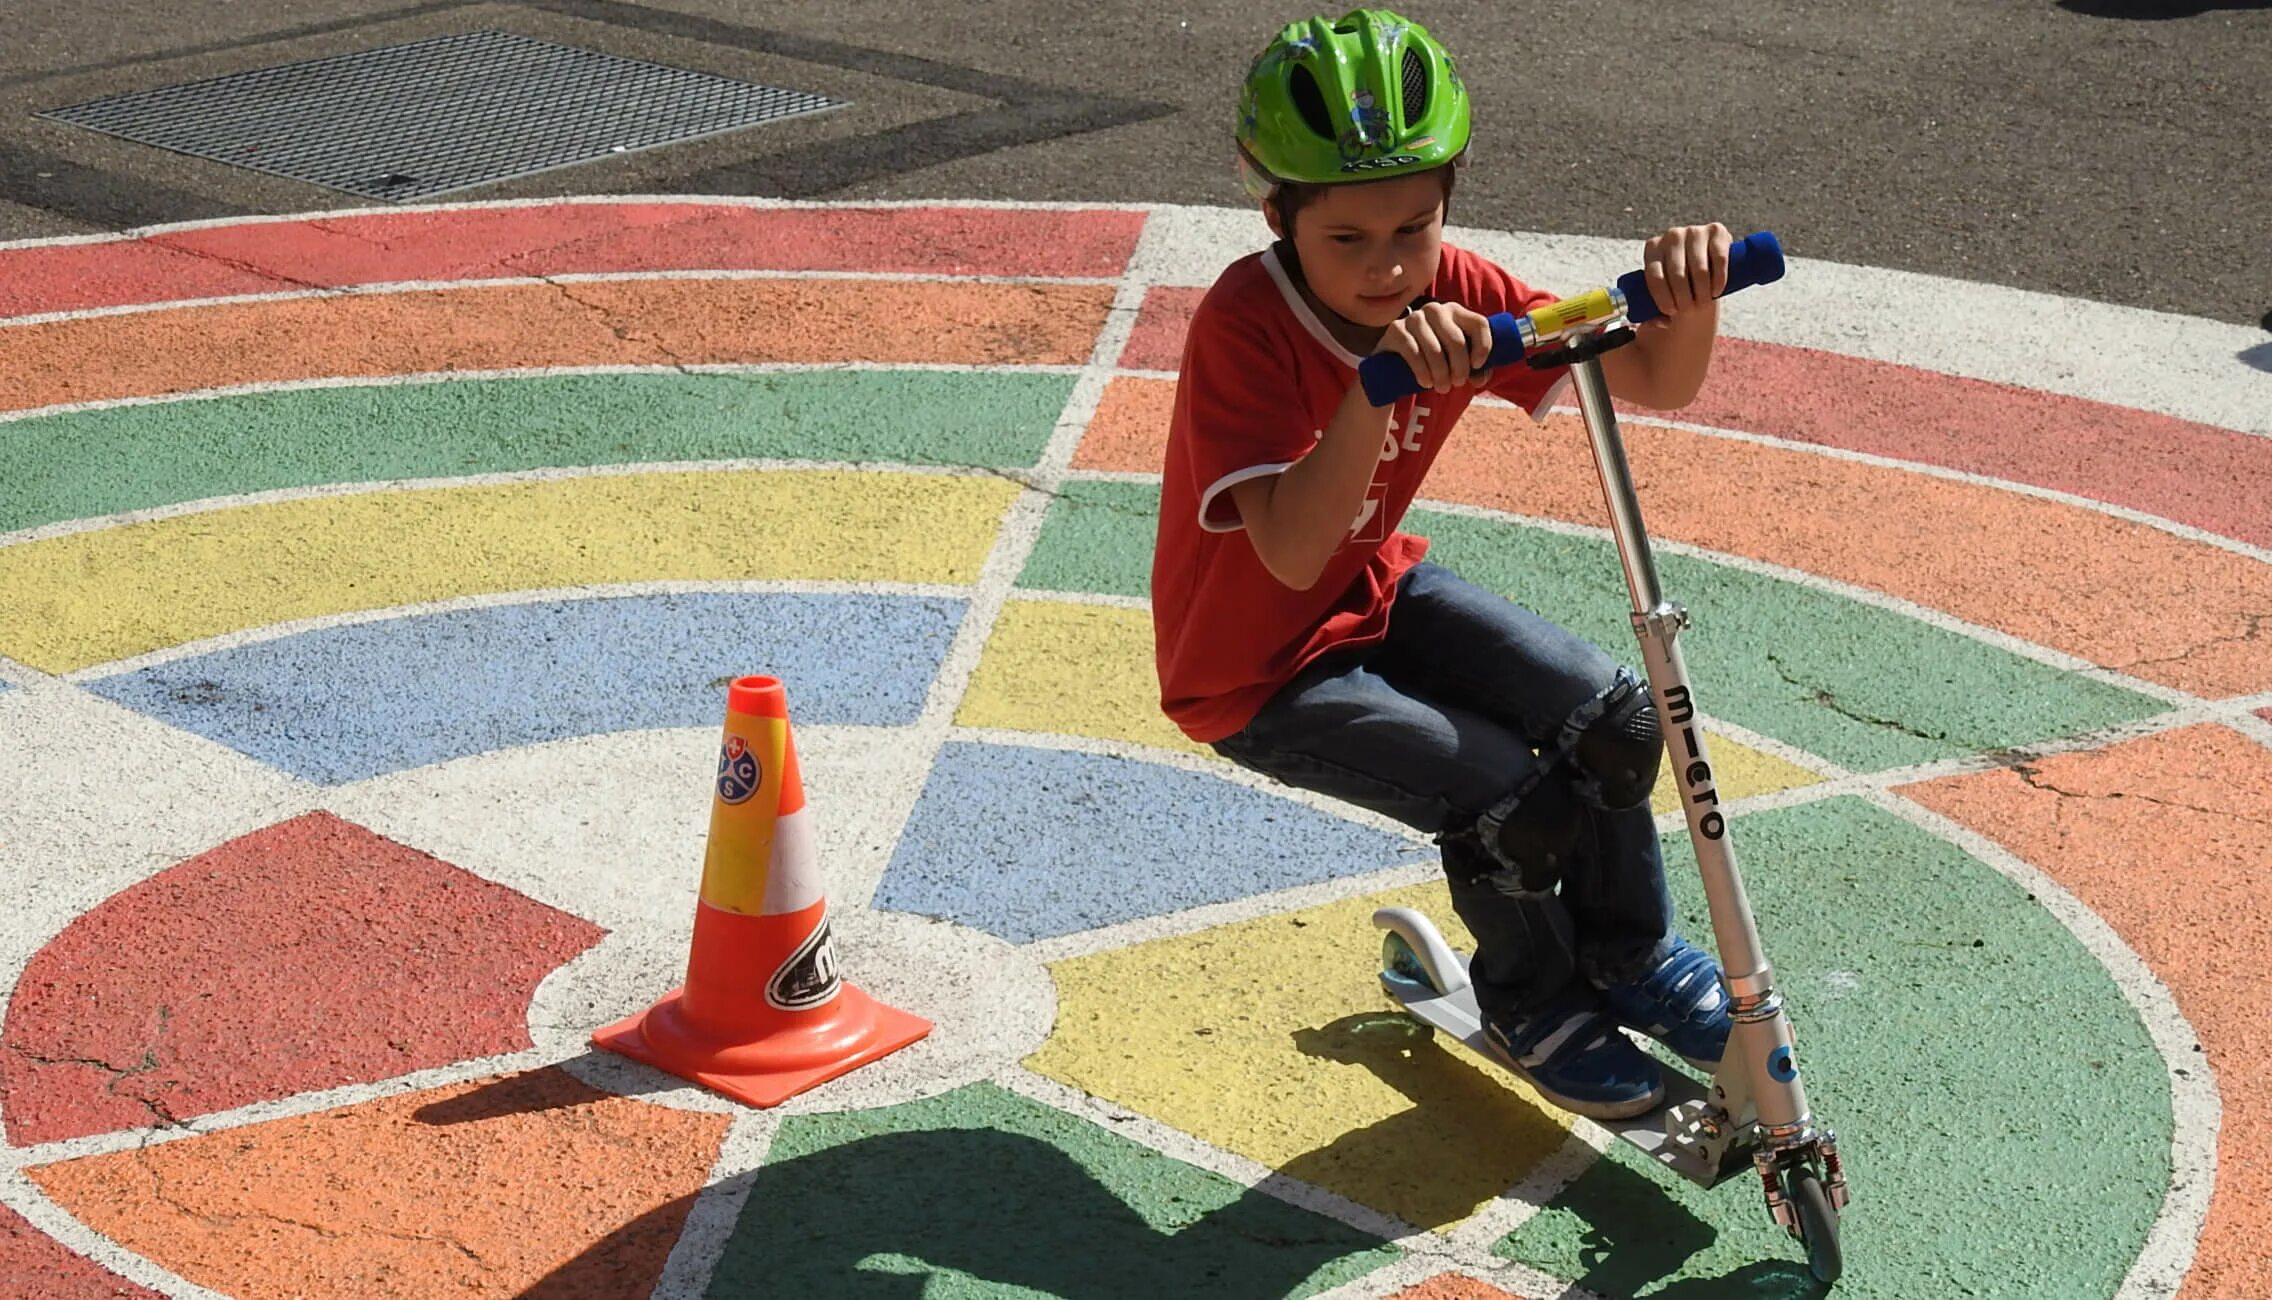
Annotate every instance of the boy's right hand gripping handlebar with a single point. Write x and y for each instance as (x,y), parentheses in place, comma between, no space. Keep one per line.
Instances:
(1754,259)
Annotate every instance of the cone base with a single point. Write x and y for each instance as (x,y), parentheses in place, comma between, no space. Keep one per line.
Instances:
(810,1049)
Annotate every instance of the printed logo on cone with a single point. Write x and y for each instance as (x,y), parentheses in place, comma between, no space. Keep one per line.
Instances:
(808,978)
(738,773)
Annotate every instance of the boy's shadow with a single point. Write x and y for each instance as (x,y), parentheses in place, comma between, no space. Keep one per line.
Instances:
(1635,1235)
(879,1215)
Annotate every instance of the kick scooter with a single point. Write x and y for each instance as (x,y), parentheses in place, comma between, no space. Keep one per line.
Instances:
(1756,1104)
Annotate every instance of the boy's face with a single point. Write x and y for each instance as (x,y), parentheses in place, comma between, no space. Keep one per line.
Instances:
(1369,249)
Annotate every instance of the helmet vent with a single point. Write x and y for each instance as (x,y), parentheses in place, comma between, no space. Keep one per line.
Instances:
(1415,88)
(1309,101)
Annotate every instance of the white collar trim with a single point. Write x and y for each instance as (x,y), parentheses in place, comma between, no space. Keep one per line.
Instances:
(1301,308)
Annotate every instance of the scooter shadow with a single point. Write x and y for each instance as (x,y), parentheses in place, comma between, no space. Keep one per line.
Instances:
(1636,1236)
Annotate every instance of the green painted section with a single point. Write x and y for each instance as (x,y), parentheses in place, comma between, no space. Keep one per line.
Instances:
(2004,1118)
(1097,537)
(981,1192)
(92,463)
(1864,687)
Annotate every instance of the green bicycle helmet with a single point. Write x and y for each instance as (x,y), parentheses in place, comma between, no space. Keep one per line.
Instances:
(1365,98)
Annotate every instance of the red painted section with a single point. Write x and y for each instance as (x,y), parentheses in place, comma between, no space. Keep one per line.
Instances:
(1157,341)
(2213,479)
(568,238)
(27,1253)
(2265,714)
(308,955)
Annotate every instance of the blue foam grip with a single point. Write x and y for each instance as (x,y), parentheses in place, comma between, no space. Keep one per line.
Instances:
(1386,377)
(1754,259)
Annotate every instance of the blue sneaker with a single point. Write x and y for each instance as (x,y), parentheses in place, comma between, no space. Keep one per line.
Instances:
(1572,1053)
(1682,1004)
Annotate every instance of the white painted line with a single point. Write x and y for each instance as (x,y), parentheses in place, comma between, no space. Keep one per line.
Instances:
(391,288)
(422,377)
(1128,934)
(2196,1110)
(499,599)
(1047,596)
(1925,470)
(1412,1270)
(2180,366)
(1137,477)
(294,1107)
(74,762)
(24,1196)
(554,474)
(1908,609)
(1521,1203)
(2251,726)
(1013,545)
(1438,1250)
(1205,764)
(2183,366)
(324,218)
(1178,1145)
(717,1209)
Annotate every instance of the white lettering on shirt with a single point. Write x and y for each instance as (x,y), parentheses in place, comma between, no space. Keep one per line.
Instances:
(1391,447)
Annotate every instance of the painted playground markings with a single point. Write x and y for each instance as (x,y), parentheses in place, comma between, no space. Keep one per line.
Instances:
(403,558)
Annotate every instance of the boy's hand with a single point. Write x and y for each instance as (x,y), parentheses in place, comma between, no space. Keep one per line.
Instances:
(1443,342)
(1687,266)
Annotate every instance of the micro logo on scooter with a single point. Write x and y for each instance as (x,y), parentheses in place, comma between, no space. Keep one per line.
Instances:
(809,977)
(1780,1067)
(738,774)
(1696,774)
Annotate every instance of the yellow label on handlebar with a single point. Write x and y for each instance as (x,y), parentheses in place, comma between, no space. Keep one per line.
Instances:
(1586,309)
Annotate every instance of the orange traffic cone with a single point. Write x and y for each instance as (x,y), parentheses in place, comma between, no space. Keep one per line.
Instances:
(763,1015)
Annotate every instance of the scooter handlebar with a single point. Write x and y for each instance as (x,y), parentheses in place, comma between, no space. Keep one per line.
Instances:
(1754,259)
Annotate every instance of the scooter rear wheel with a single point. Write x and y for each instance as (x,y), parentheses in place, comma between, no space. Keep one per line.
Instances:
(1398,958)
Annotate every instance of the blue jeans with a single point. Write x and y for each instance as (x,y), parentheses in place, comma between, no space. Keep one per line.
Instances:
(1469,699)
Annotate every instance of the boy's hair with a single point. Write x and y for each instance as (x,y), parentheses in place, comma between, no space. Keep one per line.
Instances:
(1289,197)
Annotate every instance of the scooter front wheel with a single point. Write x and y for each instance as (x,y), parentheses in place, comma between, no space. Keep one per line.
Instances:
(1818,1222)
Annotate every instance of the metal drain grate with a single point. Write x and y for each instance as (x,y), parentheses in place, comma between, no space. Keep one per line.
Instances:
(404,122)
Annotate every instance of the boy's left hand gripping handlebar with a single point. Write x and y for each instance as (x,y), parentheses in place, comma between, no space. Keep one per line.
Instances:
(1754,259)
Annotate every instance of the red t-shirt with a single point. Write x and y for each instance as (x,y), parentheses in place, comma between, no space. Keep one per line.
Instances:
(1261,378)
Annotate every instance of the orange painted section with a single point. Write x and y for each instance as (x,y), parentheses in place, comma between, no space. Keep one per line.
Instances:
(1129,431)
(528,1184)
(2038,570)
(1454,1286)
(622,322)
(2168,838)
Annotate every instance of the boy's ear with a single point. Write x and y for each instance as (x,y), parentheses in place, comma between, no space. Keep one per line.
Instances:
(1270,214)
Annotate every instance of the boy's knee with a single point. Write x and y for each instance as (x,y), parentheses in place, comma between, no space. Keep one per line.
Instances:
(1616,751)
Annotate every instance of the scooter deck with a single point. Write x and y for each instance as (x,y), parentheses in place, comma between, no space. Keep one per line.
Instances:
(1455,1013)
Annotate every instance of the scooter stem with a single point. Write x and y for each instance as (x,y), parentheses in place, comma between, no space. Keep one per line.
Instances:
(1760,1045)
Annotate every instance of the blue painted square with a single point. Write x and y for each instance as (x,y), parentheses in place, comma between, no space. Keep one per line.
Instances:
(1026,843)
(347,703)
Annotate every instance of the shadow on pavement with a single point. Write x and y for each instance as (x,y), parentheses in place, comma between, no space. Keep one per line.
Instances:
(2154,10)
(1635,1237)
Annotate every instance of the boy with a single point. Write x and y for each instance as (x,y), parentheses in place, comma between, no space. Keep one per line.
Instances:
(1301,635)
